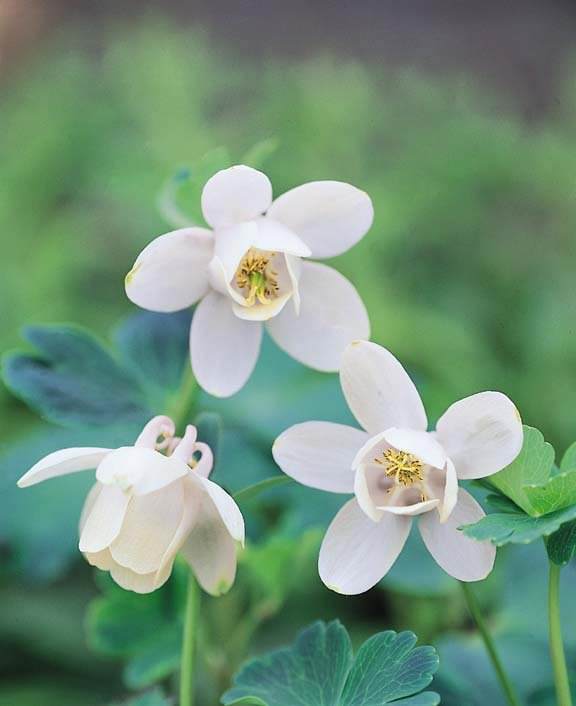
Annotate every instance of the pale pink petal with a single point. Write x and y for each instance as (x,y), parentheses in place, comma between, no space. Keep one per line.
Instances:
(104,522)
(378,389)
(234,195)
(357,552)
(482,434)
(62,462)
(223,348)
(171,273)
(463,558)
(319,454)
(140,470)
(330,216)
(331,316)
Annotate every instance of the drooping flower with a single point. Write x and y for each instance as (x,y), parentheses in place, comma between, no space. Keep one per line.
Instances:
(150,502)
(249,271)
(398,470)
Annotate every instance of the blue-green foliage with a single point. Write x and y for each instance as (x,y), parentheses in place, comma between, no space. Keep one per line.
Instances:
(319,669)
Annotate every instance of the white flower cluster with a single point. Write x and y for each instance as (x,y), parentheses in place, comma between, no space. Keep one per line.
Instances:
(252,269)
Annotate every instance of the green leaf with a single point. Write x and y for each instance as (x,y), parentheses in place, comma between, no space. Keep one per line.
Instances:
(517,527)
(568,462)
(70,378)
(562,544)
(157,661)
(532,467)
(319,670)
(557,493)
(154,347)
(259,153)
(389,667)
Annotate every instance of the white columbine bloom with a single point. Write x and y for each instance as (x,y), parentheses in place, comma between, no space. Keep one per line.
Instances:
(150,502)
(397,470)
(249,271)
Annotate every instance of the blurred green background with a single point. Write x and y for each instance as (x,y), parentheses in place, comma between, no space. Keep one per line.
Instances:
(461,128)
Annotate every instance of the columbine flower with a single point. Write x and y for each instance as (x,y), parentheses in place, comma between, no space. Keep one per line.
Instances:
(248,271)
(397,469)
(150,502)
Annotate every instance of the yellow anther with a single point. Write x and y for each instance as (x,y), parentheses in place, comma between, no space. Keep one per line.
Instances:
(256,279)
(406,468)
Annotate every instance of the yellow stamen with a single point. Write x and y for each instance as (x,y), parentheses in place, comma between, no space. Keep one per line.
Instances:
(406,468)
(256,279)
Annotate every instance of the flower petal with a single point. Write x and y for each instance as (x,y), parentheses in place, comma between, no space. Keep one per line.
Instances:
(139,583)
(140,470)
(104,522)
(450,492)
(418,443)
(234,195)
(211,550)
(157,426)
(226,507)
(357,552)
(62,462)
(482,434)
(150,524)
(223,348)
(330,216)
(378,389)
(171,273)
(415,509)
(276,237)
(331,316)
(463,558)
(319,454)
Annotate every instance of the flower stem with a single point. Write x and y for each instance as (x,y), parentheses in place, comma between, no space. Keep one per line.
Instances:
(476,613)
(555,636)
(182,407)
(187,671)
(251,491)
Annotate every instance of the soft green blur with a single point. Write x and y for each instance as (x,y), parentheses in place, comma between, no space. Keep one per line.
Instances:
(468,272)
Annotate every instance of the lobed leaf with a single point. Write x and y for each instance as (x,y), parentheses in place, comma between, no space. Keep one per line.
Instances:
(561,545)
(320,670)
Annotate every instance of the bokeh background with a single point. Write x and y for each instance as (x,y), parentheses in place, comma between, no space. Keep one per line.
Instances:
(458,118)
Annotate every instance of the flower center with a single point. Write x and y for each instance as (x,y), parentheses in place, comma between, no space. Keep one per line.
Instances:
(406,468)
(256,279)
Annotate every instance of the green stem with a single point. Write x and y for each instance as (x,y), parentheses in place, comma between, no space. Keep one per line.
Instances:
(476,613)
(251,491)
(187,671)
(182,407)
(555,636)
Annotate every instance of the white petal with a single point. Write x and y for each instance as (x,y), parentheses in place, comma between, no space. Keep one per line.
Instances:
(234,195)
(104,522)
(411,510)
(330,216)
(450,492)
(331,316)
(261,312)
(357,552)
(482,434)
(463,558)
(227,509)
(224,349)
(62,462)
(418,443)
(276,237)
(157,426)
(171,273)
(91,498)
(149,526)
(370,491)
(231,246)
(140,470)
(378,389)
(139,583)
(211,550)
(319,454)
(101,560)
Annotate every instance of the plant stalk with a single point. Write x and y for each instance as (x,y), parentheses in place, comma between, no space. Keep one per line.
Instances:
(561,680)
(187,670)
(476,613)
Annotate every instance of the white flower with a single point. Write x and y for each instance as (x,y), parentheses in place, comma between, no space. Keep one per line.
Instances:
(147,506)
(248,271)
(397,469)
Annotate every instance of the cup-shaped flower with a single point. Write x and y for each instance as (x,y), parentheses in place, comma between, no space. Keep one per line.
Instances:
(150,502)
(398,470)
(249,270)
